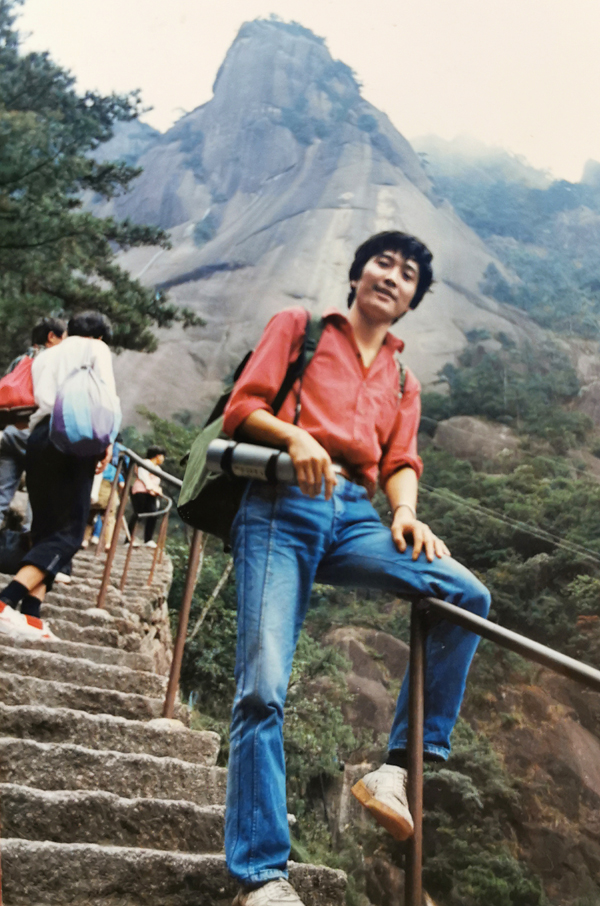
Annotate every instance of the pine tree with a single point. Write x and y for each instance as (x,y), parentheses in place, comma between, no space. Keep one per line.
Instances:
(54,255)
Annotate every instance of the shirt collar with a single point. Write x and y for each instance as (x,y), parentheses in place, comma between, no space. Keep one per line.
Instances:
(335,315)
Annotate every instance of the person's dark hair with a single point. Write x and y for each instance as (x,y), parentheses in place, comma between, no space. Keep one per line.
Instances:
(394,241)
(43,329)
(90,324)
(154,450)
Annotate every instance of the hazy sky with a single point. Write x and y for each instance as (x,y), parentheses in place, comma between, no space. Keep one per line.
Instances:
(523,74)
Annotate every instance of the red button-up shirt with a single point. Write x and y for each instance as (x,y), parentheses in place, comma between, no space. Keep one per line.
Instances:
(357,414)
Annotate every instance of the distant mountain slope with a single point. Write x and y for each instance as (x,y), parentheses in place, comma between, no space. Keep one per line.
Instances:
(267,190)
(547,232)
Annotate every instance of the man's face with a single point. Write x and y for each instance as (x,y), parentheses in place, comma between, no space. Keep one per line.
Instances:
(386,287)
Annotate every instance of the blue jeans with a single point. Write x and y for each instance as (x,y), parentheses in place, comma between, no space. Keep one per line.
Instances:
(282,542)
(12,466)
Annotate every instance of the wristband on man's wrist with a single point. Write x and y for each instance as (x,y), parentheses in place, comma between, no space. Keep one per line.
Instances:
(408,506)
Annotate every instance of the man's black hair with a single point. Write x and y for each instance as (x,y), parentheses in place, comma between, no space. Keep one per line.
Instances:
(154,450)
(90,324)
(394,241)
(43,329)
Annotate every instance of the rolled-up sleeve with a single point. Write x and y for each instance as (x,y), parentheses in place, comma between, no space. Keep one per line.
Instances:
(401,448)
(262,377)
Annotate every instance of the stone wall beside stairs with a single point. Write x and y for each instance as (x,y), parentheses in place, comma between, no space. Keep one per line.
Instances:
(102,801)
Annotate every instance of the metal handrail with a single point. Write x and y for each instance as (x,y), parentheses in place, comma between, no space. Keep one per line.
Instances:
(155,470)
(506,638)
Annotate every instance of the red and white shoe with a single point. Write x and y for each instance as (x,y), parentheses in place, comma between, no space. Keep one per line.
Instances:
(10,620)
(34,628)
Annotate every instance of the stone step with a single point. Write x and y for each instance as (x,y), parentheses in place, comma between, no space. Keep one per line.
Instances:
(82,874)
(161,738)
(91,616)
(136,578)
(51,766)
(49,666)
(29,690)
(90,635)
(136,567)
(99,654)
(92,816)
(128,609)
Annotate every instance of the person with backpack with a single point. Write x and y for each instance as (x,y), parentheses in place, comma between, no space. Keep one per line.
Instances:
(59,481)
(47,333)
(350,422)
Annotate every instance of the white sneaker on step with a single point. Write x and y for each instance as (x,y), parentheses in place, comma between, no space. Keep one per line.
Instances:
(383,793)
(63,578)
(34,629)
(10,620)
(274,893)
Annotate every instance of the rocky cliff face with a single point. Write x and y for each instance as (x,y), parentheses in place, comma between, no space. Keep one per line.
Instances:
(267,190)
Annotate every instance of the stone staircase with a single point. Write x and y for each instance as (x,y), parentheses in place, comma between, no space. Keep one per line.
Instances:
(103,802)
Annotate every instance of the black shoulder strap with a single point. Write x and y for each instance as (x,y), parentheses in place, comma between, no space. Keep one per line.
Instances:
(312,335)
(228,383)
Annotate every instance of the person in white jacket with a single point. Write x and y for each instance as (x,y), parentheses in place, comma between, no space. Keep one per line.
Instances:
(59,484)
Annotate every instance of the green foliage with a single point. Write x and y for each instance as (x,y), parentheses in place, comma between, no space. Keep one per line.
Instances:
(558,285)
(538,587)
(469,859)
(55,256)
(547,235)
(317,740)
(527,388)
(209,658)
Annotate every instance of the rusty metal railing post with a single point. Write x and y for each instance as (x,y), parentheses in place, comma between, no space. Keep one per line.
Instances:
(115,539)
(413,885)
(196,549)
(108,510)
(163,540)
(162,537)
(128,558)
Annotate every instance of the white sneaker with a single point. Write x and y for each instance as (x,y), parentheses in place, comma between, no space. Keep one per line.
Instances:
(150,544)
(383,793)
(63,578)
(10,620)
(33,628)
(274,893)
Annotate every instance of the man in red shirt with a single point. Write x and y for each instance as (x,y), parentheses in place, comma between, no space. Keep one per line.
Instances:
(349,422)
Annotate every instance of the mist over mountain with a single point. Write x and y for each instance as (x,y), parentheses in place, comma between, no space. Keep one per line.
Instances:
(267,189)
(465,155)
